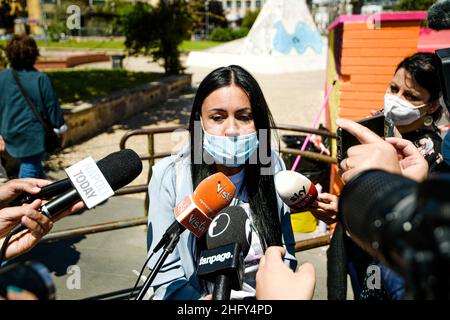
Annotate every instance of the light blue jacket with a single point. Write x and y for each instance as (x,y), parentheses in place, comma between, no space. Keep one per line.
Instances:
(171,181)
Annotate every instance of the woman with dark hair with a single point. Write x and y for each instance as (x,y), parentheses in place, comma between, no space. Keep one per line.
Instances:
(412,102)
(230,132)
(20,127)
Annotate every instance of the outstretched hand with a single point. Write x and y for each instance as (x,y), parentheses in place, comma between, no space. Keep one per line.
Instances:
(38,225)
(13,188)
(394,155)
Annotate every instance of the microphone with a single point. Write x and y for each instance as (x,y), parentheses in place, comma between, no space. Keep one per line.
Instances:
(195,211)
(227,243)
(118,168)
(47,192)
(439,15)
(52,190)
(296,190)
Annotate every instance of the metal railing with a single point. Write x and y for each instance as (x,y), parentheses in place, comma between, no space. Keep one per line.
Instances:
(151,156)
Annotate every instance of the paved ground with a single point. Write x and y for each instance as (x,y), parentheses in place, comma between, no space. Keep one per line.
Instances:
(106,260)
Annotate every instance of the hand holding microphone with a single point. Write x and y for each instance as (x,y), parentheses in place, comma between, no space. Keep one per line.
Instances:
(112,167)
(300,194)
(326,207)
(119,169)
(38,225)
(14,189)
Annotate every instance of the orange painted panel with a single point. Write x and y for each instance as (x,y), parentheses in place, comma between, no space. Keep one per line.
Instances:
(397,25)
(405,43)
(365,87)
(355,26)
(370,61)
(354,114)
(357,95)
(366,104)
(378,52)
(382,34)
(373,79)
(380,70)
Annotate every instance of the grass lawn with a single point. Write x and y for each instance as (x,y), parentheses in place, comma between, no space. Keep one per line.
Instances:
(110,44)
(198,45)
(71,86)
(115,44)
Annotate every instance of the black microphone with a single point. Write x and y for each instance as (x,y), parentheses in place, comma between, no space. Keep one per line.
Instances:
(118,168)
(228,243)
(439,15)
(48,192)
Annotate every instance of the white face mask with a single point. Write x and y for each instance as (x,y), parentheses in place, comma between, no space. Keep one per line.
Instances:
(402,112)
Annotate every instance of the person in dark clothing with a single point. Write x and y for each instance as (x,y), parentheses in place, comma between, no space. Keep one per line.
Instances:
(20,128)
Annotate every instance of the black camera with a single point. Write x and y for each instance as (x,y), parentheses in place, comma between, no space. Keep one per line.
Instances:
(33,277)
(404,224)
(444,74)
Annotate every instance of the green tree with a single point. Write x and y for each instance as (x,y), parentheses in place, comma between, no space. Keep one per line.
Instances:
(411,5)
(250,18)
(207,16)
(158,31)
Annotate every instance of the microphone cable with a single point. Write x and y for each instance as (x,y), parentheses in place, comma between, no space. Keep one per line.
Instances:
(4,247)
(140,274)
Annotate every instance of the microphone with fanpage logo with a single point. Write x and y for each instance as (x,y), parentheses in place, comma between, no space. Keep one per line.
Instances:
(228,243)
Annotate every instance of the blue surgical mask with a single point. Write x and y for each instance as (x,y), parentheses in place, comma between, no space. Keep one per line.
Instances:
(230,151)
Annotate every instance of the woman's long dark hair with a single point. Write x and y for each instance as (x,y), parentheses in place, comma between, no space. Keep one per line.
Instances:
(260,188)
(422,67)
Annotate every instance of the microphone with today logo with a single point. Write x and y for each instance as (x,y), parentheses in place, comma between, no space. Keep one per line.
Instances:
(94,182)
(228,243)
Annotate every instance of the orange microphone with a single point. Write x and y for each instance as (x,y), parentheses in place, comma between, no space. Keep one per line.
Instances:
(196,211)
